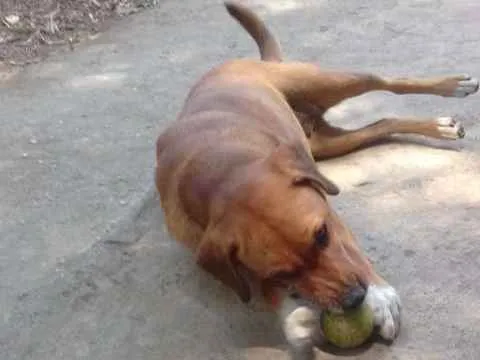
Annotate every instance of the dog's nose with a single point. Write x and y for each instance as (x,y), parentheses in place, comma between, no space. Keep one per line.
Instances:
(354,297)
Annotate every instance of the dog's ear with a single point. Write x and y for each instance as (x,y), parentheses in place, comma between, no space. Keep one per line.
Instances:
(218,255)
(300,166)
(318,182)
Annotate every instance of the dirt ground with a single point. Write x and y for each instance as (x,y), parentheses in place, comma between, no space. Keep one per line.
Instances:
(31,29)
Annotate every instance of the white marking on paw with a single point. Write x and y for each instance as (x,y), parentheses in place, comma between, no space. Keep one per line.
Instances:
(386,306)
(466,87)
(449,128)
(301,327)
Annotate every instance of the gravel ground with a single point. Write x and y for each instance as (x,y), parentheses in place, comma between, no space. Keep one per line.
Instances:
(30,29)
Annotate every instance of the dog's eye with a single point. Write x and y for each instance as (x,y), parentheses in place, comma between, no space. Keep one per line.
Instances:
(321,236)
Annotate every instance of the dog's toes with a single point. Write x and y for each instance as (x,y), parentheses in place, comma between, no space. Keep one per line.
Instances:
(386,306)
(466,85)
(449,128)
(301,327)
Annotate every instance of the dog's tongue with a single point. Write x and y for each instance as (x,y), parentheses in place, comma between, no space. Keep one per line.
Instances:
(271,296)
(274,300)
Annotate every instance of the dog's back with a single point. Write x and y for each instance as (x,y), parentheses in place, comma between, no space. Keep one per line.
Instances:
(214,133)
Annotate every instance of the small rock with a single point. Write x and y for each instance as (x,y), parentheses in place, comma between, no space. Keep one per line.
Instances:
(25,155)
(33,141)
(22,296)
(12,19)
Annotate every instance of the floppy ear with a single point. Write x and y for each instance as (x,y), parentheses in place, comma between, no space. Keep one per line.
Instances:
(318,182)
(296,162)
(217,255)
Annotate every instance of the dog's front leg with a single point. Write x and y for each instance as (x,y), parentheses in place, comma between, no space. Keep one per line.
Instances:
(301,327)
(381,297)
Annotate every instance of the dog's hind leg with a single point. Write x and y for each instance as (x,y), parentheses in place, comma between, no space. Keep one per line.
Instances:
(306,85)
(327,141)
(311,91)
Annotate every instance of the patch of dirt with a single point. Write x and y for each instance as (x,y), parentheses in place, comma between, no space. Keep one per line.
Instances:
(30,29)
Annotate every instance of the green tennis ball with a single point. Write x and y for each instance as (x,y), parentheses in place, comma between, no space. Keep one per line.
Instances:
(349,329)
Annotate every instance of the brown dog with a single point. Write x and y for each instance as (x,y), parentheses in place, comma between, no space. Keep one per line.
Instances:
(239,184)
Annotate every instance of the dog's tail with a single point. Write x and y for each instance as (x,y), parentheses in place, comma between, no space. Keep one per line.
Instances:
(267,44)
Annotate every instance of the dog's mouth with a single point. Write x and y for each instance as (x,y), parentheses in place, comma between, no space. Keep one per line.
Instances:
(324,296)
(336,305)
(330,305)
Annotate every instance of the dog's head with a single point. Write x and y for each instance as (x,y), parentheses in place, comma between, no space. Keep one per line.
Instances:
(277,225)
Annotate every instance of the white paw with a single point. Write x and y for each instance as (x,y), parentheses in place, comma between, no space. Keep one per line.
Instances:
(385,304)
(465,87)
(449,128)
(301,327)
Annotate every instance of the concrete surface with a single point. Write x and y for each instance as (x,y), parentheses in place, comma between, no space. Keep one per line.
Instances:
(86,268)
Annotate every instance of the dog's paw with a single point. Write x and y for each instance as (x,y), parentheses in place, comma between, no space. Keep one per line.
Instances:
(386,306)
(449,128)
(301,327)
(458,86)
(466,86)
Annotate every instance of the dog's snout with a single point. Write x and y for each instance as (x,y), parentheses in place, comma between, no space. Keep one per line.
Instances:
(354,297)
